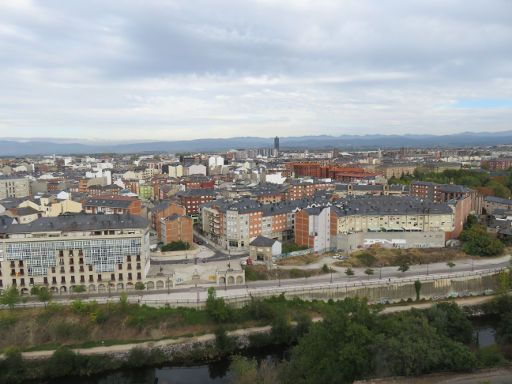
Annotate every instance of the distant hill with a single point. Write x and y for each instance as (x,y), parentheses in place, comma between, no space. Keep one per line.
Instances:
(13,147)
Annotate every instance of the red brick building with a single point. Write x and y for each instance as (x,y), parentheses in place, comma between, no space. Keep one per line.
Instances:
(176,228)
(114,204)
(193,198)
(162,210)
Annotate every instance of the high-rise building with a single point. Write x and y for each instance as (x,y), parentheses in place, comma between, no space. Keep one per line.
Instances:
(276,144)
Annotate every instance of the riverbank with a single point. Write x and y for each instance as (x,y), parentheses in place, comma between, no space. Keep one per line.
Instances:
(285,322)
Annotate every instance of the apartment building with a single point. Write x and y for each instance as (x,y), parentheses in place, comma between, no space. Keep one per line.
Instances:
(313,228)
(442,193)
(99,252)
(331,171)
(492,203)
(499,164)
(116,204)
(164,209)
(193,198)
(404,222)
(176,228)
(346,190)
(234,224)
(14,187)
(396,170)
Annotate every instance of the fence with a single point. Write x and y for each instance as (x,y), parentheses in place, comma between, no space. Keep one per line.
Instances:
(390,290)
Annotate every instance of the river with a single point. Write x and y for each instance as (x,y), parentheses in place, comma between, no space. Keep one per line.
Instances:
(216,372)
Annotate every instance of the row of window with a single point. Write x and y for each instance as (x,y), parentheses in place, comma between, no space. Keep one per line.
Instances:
(72,280)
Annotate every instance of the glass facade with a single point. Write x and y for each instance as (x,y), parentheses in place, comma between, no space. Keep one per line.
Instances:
(102,254)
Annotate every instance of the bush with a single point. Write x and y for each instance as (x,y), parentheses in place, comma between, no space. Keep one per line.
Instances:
(175,246)
(217,308)
(367,259)
(138,357)
(489,357)
(140,286)
(252,273)
(11,367)
(223,343)
(63,362)
(79,288)
(478,242)
(293,247)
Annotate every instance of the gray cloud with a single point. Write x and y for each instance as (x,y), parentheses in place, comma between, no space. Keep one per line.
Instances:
(206,68)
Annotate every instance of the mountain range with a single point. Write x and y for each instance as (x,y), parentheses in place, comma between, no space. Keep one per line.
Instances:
(48,146)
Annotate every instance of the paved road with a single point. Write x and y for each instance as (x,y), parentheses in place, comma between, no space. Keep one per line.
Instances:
(187,294)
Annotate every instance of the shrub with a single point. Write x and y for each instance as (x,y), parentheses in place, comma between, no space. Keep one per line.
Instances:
(217,308)
(79,288)
(489,357)
(140,286)
(62,363)
(175,246)
(367,259)
(478,242)
(223,343)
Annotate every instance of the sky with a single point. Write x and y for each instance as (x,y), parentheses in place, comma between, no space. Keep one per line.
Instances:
(146,70)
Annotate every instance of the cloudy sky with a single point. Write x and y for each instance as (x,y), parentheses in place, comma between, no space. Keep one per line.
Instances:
(206,68)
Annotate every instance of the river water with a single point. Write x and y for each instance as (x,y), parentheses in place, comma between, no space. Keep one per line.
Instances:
(216,372)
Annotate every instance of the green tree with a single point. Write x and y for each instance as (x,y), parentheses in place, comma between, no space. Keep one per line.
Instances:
(403,267)
(450,264)
(470,221)
(349,272)
(450,321)
(10,297)
(140,286)
(504,329)
(504,282)
(217,308)
(337,350)
(417,288)
(369,272)
(477,241)
(79,289)
(44,295)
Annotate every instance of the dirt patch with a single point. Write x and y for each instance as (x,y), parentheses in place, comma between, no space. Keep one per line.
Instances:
(260,272)
(301,260)
(378,256)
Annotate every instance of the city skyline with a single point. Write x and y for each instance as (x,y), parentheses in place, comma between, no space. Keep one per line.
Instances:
(176,70)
